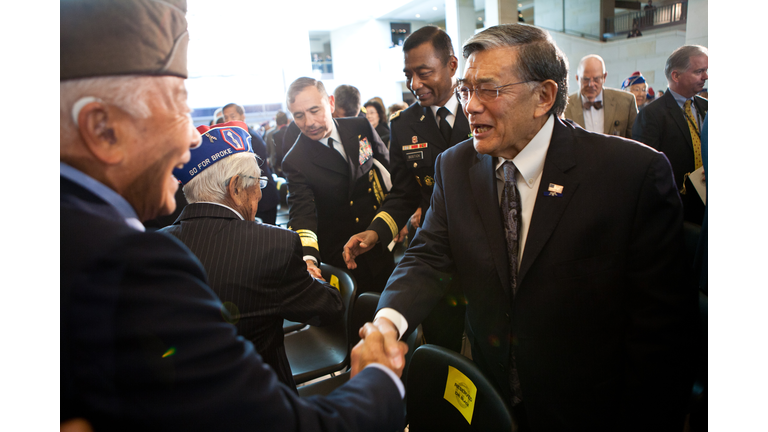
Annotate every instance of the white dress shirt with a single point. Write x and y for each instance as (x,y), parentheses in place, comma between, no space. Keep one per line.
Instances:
(594,119)
(530,166)
(452,105)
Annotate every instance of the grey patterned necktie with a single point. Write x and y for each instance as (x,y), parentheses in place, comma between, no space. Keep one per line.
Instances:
(511,211)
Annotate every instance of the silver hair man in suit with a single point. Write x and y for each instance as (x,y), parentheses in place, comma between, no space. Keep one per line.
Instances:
(577,310)
(597,108)
(256,269)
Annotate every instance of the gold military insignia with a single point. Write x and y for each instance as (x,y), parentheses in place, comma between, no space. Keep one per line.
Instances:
(418,180)
(394,115)
(429,181)
(422,118)
(415,139)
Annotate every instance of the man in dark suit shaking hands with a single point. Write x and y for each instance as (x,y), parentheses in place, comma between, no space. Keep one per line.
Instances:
(568,248)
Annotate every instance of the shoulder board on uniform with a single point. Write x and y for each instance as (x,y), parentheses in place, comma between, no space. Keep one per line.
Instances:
(395,115)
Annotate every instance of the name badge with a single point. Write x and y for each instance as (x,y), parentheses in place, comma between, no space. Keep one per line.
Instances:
(414,156)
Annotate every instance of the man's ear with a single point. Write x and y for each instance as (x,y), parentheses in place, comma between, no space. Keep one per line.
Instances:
(546,93)
(453,63)
(98,124)
(332,103)
(235,190)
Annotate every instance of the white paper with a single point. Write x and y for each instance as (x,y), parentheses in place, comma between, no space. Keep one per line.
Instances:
(700,186)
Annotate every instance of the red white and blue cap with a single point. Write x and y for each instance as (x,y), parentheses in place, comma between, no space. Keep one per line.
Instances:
(635,78)
(219,141)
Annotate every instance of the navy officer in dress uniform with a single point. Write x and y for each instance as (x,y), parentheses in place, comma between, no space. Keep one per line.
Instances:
(419,133)
(338,177)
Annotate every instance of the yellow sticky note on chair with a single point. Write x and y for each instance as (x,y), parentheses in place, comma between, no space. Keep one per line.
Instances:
(461,393)
(335,282)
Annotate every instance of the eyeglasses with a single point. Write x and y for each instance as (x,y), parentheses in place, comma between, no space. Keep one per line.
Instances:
(484,92)
(597,80)
(262,180)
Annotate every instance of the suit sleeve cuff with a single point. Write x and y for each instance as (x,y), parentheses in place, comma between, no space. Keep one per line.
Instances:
(310,257)
(392,375)
(396,317)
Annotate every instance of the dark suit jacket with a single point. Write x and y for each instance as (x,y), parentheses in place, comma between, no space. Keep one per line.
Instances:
(330,200)
(144,345)
(414,168)
(257,270)
(290,136)
(602,322)
(662,125)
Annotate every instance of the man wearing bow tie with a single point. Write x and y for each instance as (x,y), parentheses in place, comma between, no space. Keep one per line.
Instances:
(599,109)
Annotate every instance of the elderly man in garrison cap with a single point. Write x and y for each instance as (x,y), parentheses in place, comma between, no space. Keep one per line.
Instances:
(567,244)
(144,341)
(257,270)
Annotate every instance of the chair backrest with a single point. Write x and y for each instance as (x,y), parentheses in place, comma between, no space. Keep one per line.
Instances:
(363,312)
(436,393)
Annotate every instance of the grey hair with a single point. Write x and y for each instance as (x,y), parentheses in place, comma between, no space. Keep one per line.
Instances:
(580,70)
(539,58)
(130,93)
(680,59)
(210,185)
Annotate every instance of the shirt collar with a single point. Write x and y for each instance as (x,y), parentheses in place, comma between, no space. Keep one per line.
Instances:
(225,206)
(530,161)
(104,192)
(452,105)
(679,98)
(334,134)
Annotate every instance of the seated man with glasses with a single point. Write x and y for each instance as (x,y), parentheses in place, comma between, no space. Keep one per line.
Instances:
(256,269)
(597,108)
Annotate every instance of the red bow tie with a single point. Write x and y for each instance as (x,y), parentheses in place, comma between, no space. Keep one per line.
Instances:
(597,104)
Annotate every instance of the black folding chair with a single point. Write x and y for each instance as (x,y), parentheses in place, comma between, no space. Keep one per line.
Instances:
(428,382)
(364,310)
(318,351)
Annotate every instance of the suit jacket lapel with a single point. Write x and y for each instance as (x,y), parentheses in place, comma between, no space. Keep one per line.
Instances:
(350,139)
(460,130)
(677,114)
(549,209)
(579,111)
(426,128)
(322,156)
(482,178)
(609,112)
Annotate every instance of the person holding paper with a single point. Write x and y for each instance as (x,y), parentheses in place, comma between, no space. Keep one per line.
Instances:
(672,123)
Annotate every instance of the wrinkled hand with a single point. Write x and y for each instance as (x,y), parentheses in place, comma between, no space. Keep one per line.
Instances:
(416,218)
(372,349)
(358,244)
(313,270)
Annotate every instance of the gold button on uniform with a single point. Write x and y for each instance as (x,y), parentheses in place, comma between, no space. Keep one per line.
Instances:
(415,164)
(369,190)
(350,203)
(357,220)
(374,207)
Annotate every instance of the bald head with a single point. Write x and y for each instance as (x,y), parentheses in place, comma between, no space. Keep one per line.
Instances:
(591,76)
